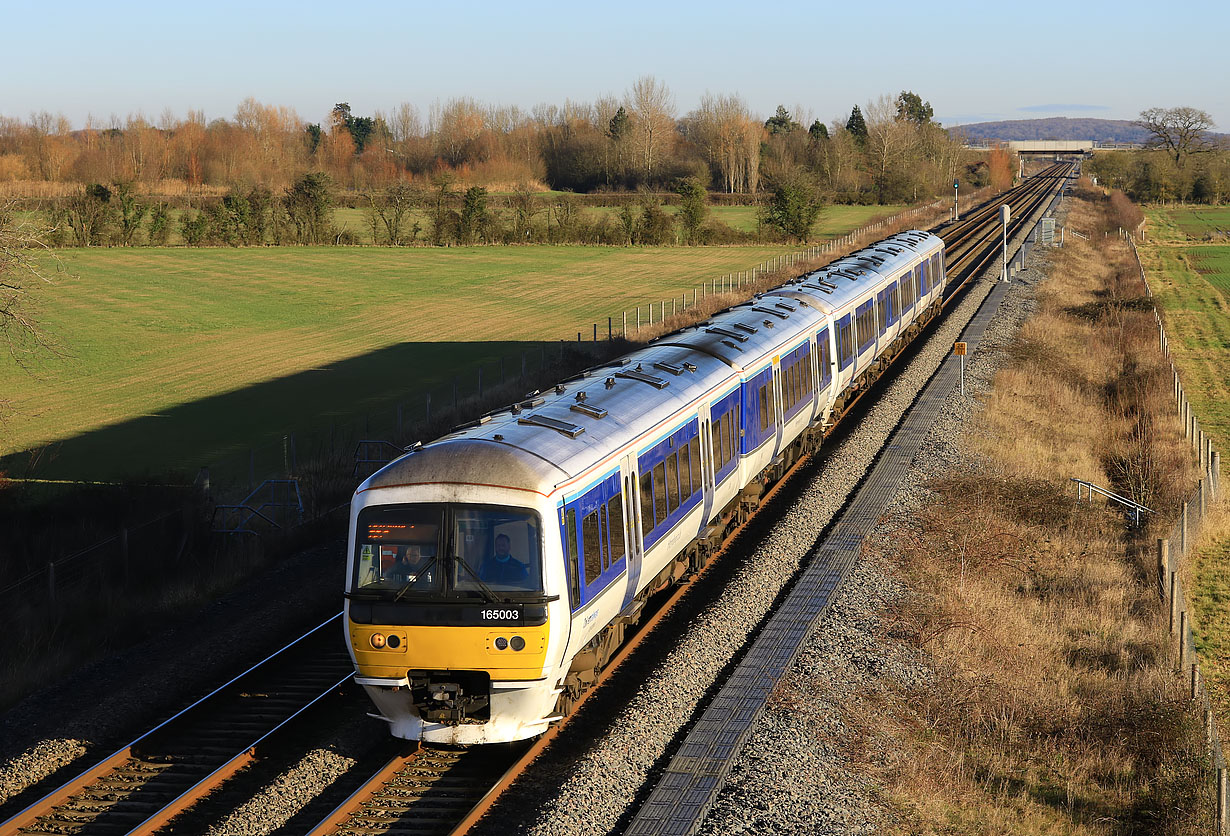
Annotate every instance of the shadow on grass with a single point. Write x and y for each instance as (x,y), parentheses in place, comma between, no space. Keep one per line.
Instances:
(261,431)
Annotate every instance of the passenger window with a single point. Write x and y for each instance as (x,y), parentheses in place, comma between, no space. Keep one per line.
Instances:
(570,544)
(646,503)
(715,441)
(728,437)
(736,426)
(764,408)
(694,451)
(772,411)
(591,539)
(659,493)
(615,518)
(672,483)
(685,473)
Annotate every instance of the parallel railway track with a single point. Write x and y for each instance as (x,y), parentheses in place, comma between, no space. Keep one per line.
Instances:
(371,808)
(141,787)
(419,792)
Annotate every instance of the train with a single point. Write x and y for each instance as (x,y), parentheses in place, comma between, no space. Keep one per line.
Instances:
(493,572)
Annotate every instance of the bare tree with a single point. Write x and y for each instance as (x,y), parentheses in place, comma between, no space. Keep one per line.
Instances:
(652,108)
(730,136)
(20,246)
(1177,130)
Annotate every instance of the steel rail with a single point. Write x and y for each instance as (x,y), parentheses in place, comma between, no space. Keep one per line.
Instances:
(337,821)
(48,804)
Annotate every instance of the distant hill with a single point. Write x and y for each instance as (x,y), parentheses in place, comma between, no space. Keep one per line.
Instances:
(1058,127)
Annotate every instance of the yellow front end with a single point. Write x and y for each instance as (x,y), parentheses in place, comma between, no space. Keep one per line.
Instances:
(449,649)
(410,671)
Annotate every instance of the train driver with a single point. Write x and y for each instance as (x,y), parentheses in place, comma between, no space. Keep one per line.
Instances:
(502,568)
(411,566)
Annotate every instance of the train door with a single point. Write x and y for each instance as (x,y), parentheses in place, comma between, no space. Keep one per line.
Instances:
(779,404)
(629,488)
(706,462)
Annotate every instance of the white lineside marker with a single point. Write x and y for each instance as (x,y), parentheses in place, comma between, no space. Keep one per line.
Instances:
(959,349)
(1005,215)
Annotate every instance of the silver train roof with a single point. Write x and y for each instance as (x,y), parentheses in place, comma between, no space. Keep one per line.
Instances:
(551,437)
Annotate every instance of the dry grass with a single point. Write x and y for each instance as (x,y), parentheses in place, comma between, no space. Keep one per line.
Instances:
(1054,707)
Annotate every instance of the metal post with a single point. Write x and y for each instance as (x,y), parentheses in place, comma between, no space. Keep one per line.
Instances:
(1163,563)
(1005,214)
(1182,639)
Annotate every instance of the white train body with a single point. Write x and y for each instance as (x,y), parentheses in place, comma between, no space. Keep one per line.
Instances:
(492,571)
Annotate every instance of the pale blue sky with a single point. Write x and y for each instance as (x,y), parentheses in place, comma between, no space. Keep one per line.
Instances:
(1107,60)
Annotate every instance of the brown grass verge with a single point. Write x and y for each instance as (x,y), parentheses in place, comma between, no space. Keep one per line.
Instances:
(1055,707)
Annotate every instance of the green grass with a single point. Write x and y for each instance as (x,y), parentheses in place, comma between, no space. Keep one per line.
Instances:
(175,358)
(1192,284)
(1197,222)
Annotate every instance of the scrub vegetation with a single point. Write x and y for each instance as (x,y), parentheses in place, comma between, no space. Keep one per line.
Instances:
(1055,707)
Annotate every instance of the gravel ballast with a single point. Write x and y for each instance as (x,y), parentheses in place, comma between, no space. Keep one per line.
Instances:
(791,772)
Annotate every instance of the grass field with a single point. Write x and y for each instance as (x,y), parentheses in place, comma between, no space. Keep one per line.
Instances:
(174,358)
(1192,282)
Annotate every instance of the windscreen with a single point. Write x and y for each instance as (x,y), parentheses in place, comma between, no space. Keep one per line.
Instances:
(448,551)
(398,549)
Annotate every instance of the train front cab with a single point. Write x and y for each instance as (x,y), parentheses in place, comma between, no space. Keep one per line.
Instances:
(446,656)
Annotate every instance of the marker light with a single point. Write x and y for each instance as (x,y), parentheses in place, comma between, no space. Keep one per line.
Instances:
(377,640)
(501,643)
(394,641)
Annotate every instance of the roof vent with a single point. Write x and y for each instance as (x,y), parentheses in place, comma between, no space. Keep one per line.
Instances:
(776,313)
(768,323)
(609,382)
(726,332)
(735,346)
(591,411)
(669,367)
(748,328)
(636,374)
(570,430)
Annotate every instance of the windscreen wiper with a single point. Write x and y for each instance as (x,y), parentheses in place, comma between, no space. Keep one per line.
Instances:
(486,590)
(406,587)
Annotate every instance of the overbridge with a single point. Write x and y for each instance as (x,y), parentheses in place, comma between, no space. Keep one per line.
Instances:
(1055,147)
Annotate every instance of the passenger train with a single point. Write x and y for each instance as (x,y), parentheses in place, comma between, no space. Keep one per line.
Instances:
(493,572)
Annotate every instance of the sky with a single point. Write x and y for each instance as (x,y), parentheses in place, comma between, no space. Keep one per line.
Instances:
(1092,59)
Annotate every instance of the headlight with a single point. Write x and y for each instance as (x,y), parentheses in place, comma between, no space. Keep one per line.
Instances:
(501,643)
(378,640)
(517,643)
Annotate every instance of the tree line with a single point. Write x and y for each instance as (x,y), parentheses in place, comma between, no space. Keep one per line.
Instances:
(890,151)
(1182,162)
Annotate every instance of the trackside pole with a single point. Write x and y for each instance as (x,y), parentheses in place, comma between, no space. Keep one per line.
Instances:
(959,349)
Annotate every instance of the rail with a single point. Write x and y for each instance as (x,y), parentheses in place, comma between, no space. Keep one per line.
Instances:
(1136,509)
(277,690)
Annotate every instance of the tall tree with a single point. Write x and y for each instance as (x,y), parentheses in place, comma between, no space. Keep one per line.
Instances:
(793,206)
(818,131)
(1179,131)
(857,127)
(911,108)
(781,123)
(692,209)
(653,112)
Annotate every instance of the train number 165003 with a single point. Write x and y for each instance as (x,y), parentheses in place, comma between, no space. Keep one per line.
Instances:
(501,615)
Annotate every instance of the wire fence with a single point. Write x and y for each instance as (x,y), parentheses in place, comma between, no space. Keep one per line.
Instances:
(130,556)
(1173,550)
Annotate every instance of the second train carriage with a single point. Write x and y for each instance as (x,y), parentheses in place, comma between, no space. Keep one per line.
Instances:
(493,571)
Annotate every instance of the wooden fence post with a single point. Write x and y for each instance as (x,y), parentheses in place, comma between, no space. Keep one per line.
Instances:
(1174,602)
(1221,800)
(1183,532)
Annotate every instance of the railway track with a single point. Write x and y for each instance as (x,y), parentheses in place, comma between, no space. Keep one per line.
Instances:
(419,792)
(141,787)
(393,800)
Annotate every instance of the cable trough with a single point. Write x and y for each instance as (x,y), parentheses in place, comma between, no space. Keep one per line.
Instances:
(684,792)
